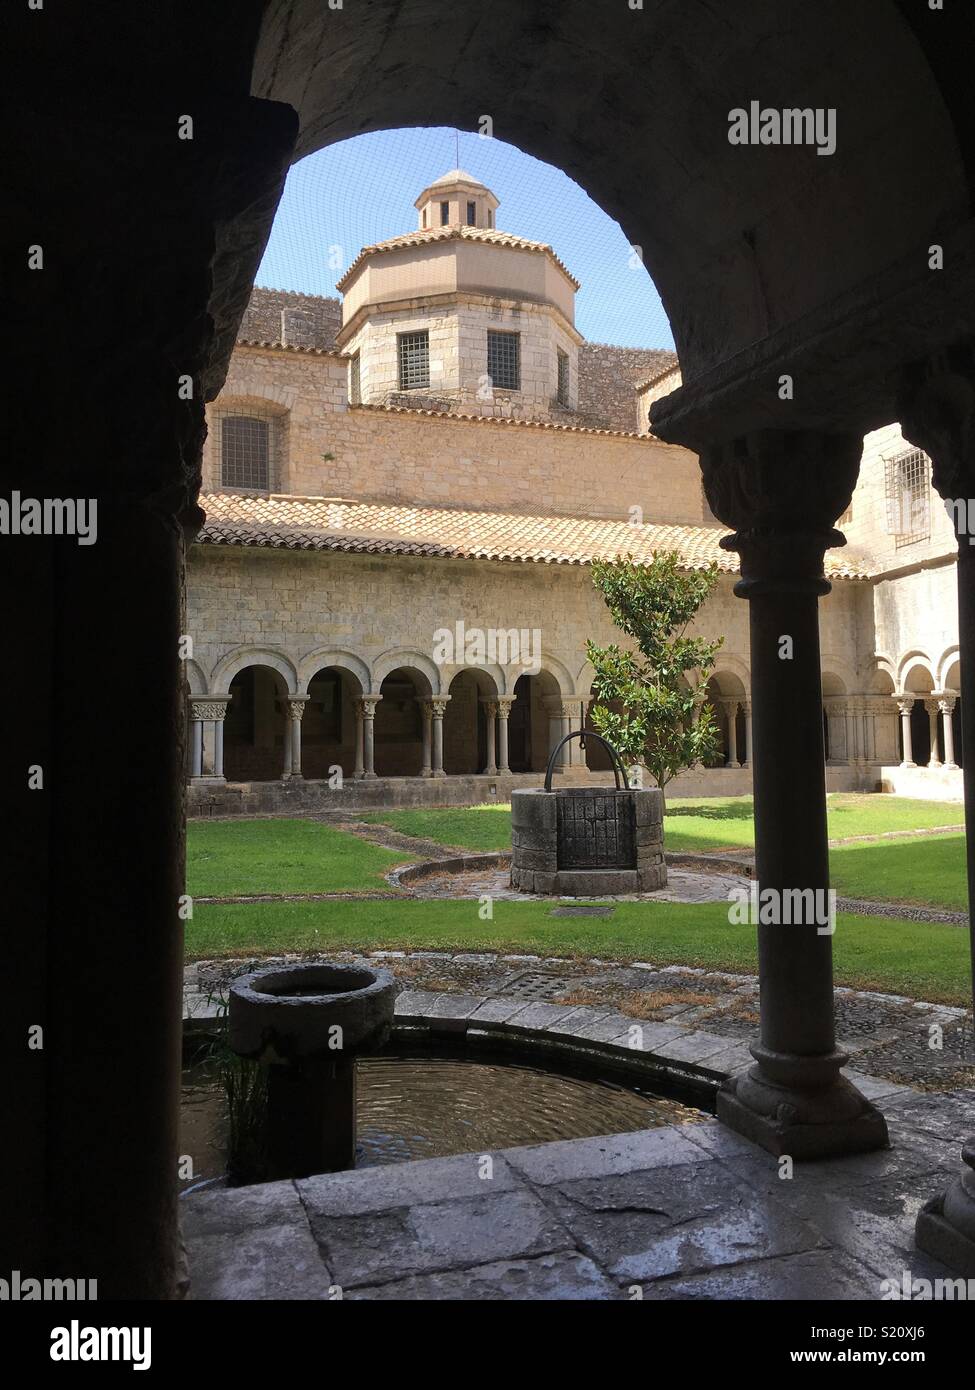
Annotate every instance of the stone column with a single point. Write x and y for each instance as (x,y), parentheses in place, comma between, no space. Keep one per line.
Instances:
(292,762)
(202,712)
(504,709)
(566,711)
(946,704)
(851,733)
(746,706)
(491,720)
(148,261)
(366,709)
(781,490)
(437,709)
(426,724)
(554,710)
(836,719)
(933,710)
(731,715)
(904,706)
(358,772)
(209,713)
(937,414)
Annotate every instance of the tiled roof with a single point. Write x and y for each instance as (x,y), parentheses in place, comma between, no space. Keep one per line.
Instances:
(379,528)
(507,420)
(423,237)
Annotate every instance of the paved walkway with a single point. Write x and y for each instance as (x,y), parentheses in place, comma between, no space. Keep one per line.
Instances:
(693,1212)
(890,1037)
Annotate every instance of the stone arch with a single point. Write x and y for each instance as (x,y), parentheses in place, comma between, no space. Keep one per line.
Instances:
(910,662)
(334,681)
(465,724)
(721,289)
(833,684)
(410,659)
(840,669)
(552,666)
(947,662)
(494,681)
(228,666)
(195,678)
(585,678)
(315,661)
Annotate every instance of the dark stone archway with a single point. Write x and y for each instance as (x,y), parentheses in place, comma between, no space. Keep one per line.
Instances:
(767,260)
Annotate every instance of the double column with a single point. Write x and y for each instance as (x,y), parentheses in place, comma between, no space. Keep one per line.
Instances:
(782,491)
(294,709)
(206,737)
(905,705)
(365,737)
(432,712)
(937,414)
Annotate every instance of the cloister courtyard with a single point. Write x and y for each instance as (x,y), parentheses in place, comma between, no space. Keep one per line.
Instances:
(425,893)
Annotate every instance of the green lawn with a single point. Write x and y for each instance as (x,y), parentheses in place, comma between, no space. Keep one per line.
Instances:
(929,871)
(479,828)
(708,824)
(239,857)
(922,960)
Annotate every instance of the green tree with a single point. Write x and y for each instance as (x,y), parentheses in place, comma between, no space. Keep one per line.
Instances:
(654,720)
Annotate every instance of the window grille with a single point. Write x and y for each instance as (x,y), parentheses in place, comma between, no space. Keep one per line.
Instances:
(245,452)
(471,214)
(503,360)
(414,360)
(355,381)
(908,497)
(563,378)
(444,214)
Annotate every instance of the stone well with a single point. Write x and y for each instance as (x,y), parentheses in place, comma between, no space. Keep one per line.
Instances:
(587,841)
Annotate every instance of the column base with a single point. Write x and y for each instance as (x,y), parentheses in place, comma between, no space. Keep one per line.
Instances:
(908,764)
(734,765)
(823,1121)
(369,776)
(489,772)
(426,771)
(439,773)
(946,1225)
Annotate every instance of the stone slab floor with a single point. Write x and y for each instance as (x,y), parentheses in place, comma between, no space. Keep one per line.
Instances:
(691,1212)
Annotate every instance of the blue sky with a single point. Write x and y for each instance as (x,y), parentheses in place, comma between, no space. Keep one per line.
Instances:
(362,190)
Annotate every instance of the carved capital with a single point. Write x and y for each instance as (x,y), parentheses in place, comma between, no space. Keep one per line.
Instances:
(936,410)
(905,704)
(782,491)
(438,706)
(296,707)
(209,709)
(504,705)
(490,708)
(946,704)
(366,707)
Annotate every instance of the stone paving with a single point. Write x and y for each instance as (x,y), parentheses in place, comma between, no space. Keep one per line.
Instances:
(671,1213)
(889,1036)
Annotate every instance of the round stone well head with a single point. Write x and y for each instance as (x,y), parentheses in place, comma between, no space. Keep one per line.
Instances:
(587,841)
(291,1011)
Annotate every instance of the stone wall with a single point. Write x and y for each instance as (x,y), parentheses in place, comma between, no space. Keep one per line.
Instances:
(263,322)
(608,378)
(457,332)
(416,459)
(387,609)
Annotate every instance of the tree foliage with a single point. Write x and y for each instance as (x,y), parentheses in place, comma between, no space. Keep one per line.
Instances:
(654,686)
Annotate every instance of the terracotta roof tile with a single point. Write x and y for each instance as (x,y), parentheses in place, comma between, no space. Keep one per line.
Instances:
(424,237)
(321,523)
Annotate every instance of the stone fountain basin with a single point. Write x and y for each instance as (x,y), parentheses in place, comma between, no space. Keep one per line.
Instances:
(292,1011)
